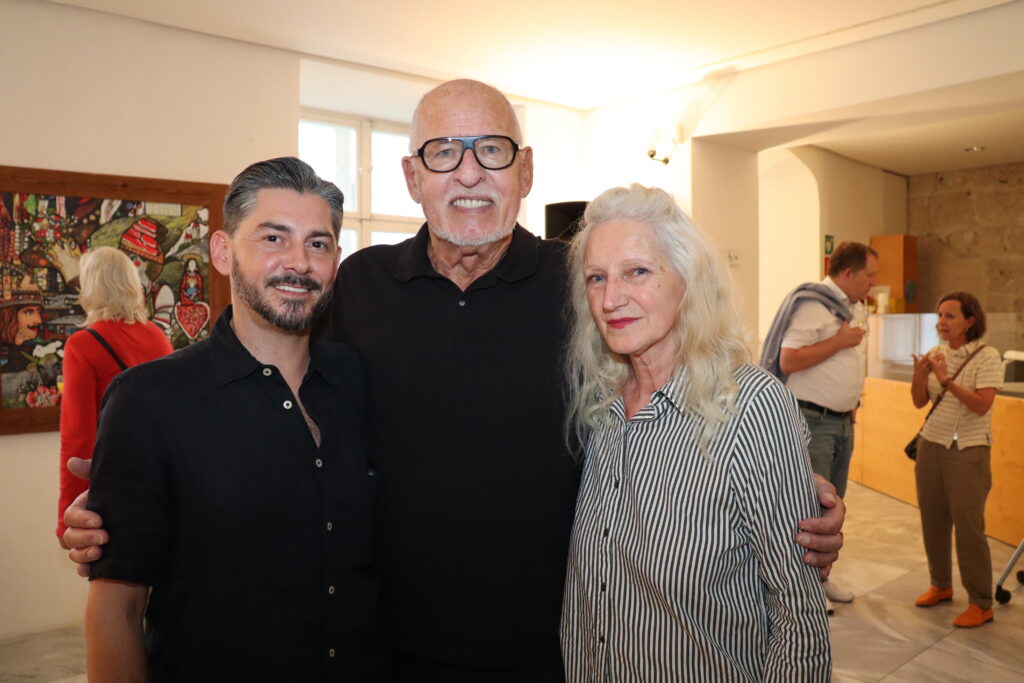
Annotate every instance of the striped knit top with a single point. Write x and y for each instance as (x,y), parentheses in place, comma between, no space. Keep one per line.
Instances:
(682,565)
(952,419)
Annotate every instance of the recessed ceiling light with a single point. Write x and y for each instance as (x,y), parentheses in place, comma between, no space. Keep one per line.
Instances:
(975,148)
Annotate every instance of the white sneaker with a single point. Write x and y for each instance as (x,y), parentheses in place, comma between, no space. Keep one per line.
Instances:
(835,592)
(830,609)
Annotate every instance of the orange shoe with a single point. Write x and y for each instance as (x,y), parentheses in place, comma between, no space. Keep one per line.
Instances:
(973,616)
(933,596)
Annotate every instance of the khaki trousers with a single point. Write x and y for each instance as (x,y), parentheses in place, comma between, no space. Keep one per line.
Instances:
(952,486)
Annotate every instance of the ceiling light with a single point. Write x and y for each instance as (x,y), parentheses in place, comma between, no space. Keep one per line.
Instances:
(975,148)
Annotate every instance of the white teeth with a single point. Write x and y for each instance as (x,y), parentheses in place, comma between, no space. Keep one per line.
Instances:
(289,288)
(471,203)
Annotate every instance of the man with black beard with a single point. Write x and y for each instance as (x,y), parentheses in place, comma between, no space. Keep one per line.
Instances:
(258,430)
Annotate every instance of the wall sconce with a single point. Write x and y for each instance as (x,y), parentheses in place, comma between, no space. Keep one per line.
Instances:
(662,146)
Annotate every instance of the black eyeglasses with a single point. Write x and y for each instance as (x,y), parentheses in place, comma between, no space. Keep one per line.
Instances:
(493,152)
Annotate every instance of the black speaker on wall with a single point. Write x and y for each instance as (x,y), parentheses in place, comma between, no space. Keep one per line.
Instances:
(562,220)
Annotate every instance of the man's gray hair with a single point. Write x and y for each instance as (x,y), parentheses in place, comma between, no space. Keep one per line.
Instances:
(283,173)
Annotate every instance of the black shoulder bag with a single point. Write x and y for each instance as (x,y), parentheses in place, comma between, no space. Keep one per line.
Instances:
(110,349)
(911,448)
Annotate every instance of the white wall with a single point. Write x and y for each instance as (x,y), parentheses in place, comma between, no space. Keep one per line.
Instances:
(85,91)
(725,207)
(856,200)
(556,135)
(39,588)
(789,229)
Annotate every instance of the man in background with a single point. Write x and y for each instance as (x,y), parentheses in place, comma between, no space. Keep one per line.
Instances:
(812,346)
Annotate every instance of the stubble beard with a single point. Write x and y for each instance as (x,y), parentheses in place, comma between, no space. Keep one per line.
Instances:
(474,239)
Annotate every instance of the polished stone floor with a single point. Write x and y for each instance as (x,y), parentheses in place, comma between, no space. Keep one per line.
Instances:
(880,636)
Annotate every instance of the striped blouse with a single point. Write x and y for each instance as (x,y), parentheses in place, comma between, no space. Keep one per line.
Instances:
(952,419)
(684,567)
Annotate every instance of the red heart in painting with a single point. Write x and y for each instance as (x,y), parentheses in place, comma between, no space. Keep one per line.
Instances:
(192,318)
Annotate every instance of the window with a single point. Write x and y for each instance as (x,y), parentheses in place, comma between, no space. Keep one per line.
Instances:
(363,158)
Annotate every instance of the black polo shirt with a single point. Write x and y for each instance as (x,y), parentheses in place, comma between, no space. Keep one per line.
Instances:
(477,488)
(202,459)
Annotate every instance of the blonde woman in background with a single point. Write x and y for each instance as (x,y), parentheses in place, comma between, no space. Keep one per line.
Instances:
(112,298)
(953,467)
(682,565)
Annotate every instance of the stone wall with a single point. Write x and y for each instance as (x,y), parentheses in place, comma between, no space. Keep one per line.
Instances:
(970,235)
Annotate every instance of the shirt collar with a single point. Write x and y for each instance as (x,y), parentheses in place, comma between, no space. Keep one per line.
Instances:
(519,261)
(964,351)
(840,294)
(232,361)
(671,396)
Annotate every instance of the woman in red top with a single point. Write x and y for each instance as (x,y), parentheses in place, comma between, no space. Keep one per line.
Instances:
(113,302)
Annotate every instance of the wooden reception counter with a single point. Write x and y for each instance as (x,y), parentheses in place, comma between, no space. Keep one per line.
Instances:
(887,420)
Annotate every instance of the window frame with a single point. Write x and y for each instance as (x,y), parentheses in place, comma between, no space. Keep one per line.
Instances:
(364,221)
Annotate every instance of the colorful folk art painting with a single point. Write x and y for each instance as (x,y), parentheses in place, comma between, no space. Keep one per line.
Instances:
(42,238)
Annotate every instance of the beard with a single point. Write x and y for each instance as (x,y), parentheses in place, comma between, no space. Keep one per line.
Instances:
(475,238)
(292,315)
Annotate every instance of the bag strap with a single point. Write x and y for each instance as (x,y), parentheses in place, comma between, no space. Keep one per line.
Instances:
(955,375)
(110,350)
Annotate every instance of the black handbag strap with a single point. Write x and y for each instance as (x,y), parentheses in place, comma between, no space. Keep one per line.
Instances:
(955,375)
(110,350)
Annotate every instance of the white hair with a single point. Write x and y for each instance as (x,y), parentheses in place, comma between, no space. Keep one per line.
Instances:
(707,328)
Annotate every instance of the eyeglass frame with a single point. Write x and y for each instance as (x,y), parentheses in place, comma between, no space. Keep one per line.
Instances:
(468,144)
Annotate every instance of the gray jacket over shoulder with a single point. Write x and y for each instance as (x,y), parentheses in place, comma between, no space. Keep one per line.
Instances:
(808,291)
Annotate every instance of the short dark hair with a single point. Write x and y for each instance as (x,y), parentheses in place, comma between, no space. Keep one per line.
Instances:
(282,173)
(849,255)
(971,308)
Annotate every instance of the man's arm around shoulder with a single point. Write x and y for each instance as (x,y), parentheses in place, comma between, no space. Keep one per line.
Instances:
(113,632)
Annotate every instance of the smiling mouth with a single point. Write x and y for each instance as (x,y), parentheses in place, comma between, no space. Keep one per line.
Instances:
(294,285)
(471,203)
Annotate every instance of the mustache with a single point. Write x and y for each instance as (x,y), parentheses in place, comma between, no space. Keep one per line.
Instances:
(295,281)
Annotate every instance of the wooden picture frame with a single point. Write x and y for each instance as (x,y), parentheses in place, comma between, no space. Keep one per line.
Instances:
(137,203)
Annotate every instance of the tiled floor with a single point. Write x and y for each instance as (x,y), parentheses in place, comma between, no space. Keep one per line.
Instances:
(880,636)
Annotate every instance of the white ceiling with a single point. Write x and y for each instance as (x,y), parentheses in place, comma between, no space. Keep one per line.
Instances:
(585,54)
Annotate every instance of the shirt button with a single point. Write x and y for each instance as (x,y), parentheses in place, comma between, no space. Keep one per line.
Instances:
(605,532)
(330,653)
(267,372)
(319,463)
(287,405)
(603,586)
(601,640)
(330,526)
(616,485)
(330,590)
(462,302)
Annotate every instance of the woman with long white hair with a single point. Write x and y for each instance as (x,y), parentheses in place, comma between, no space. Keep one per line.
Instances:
(682,565)
(118,335)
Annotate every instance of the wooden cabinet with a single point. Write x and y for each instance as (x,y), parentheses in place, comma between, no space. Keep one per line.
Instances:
(897,267)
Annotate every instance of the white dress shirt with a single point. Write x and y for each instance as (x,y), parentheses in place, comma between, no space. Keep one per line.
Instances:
(836,382)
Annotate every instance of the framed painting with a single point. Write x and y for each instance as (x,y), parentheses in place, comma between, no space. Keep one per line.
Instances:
(48,219)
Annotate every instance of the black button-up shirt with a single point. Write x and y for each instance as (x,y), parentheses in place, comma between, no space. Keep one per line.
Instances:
(477,487)
(202,459)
